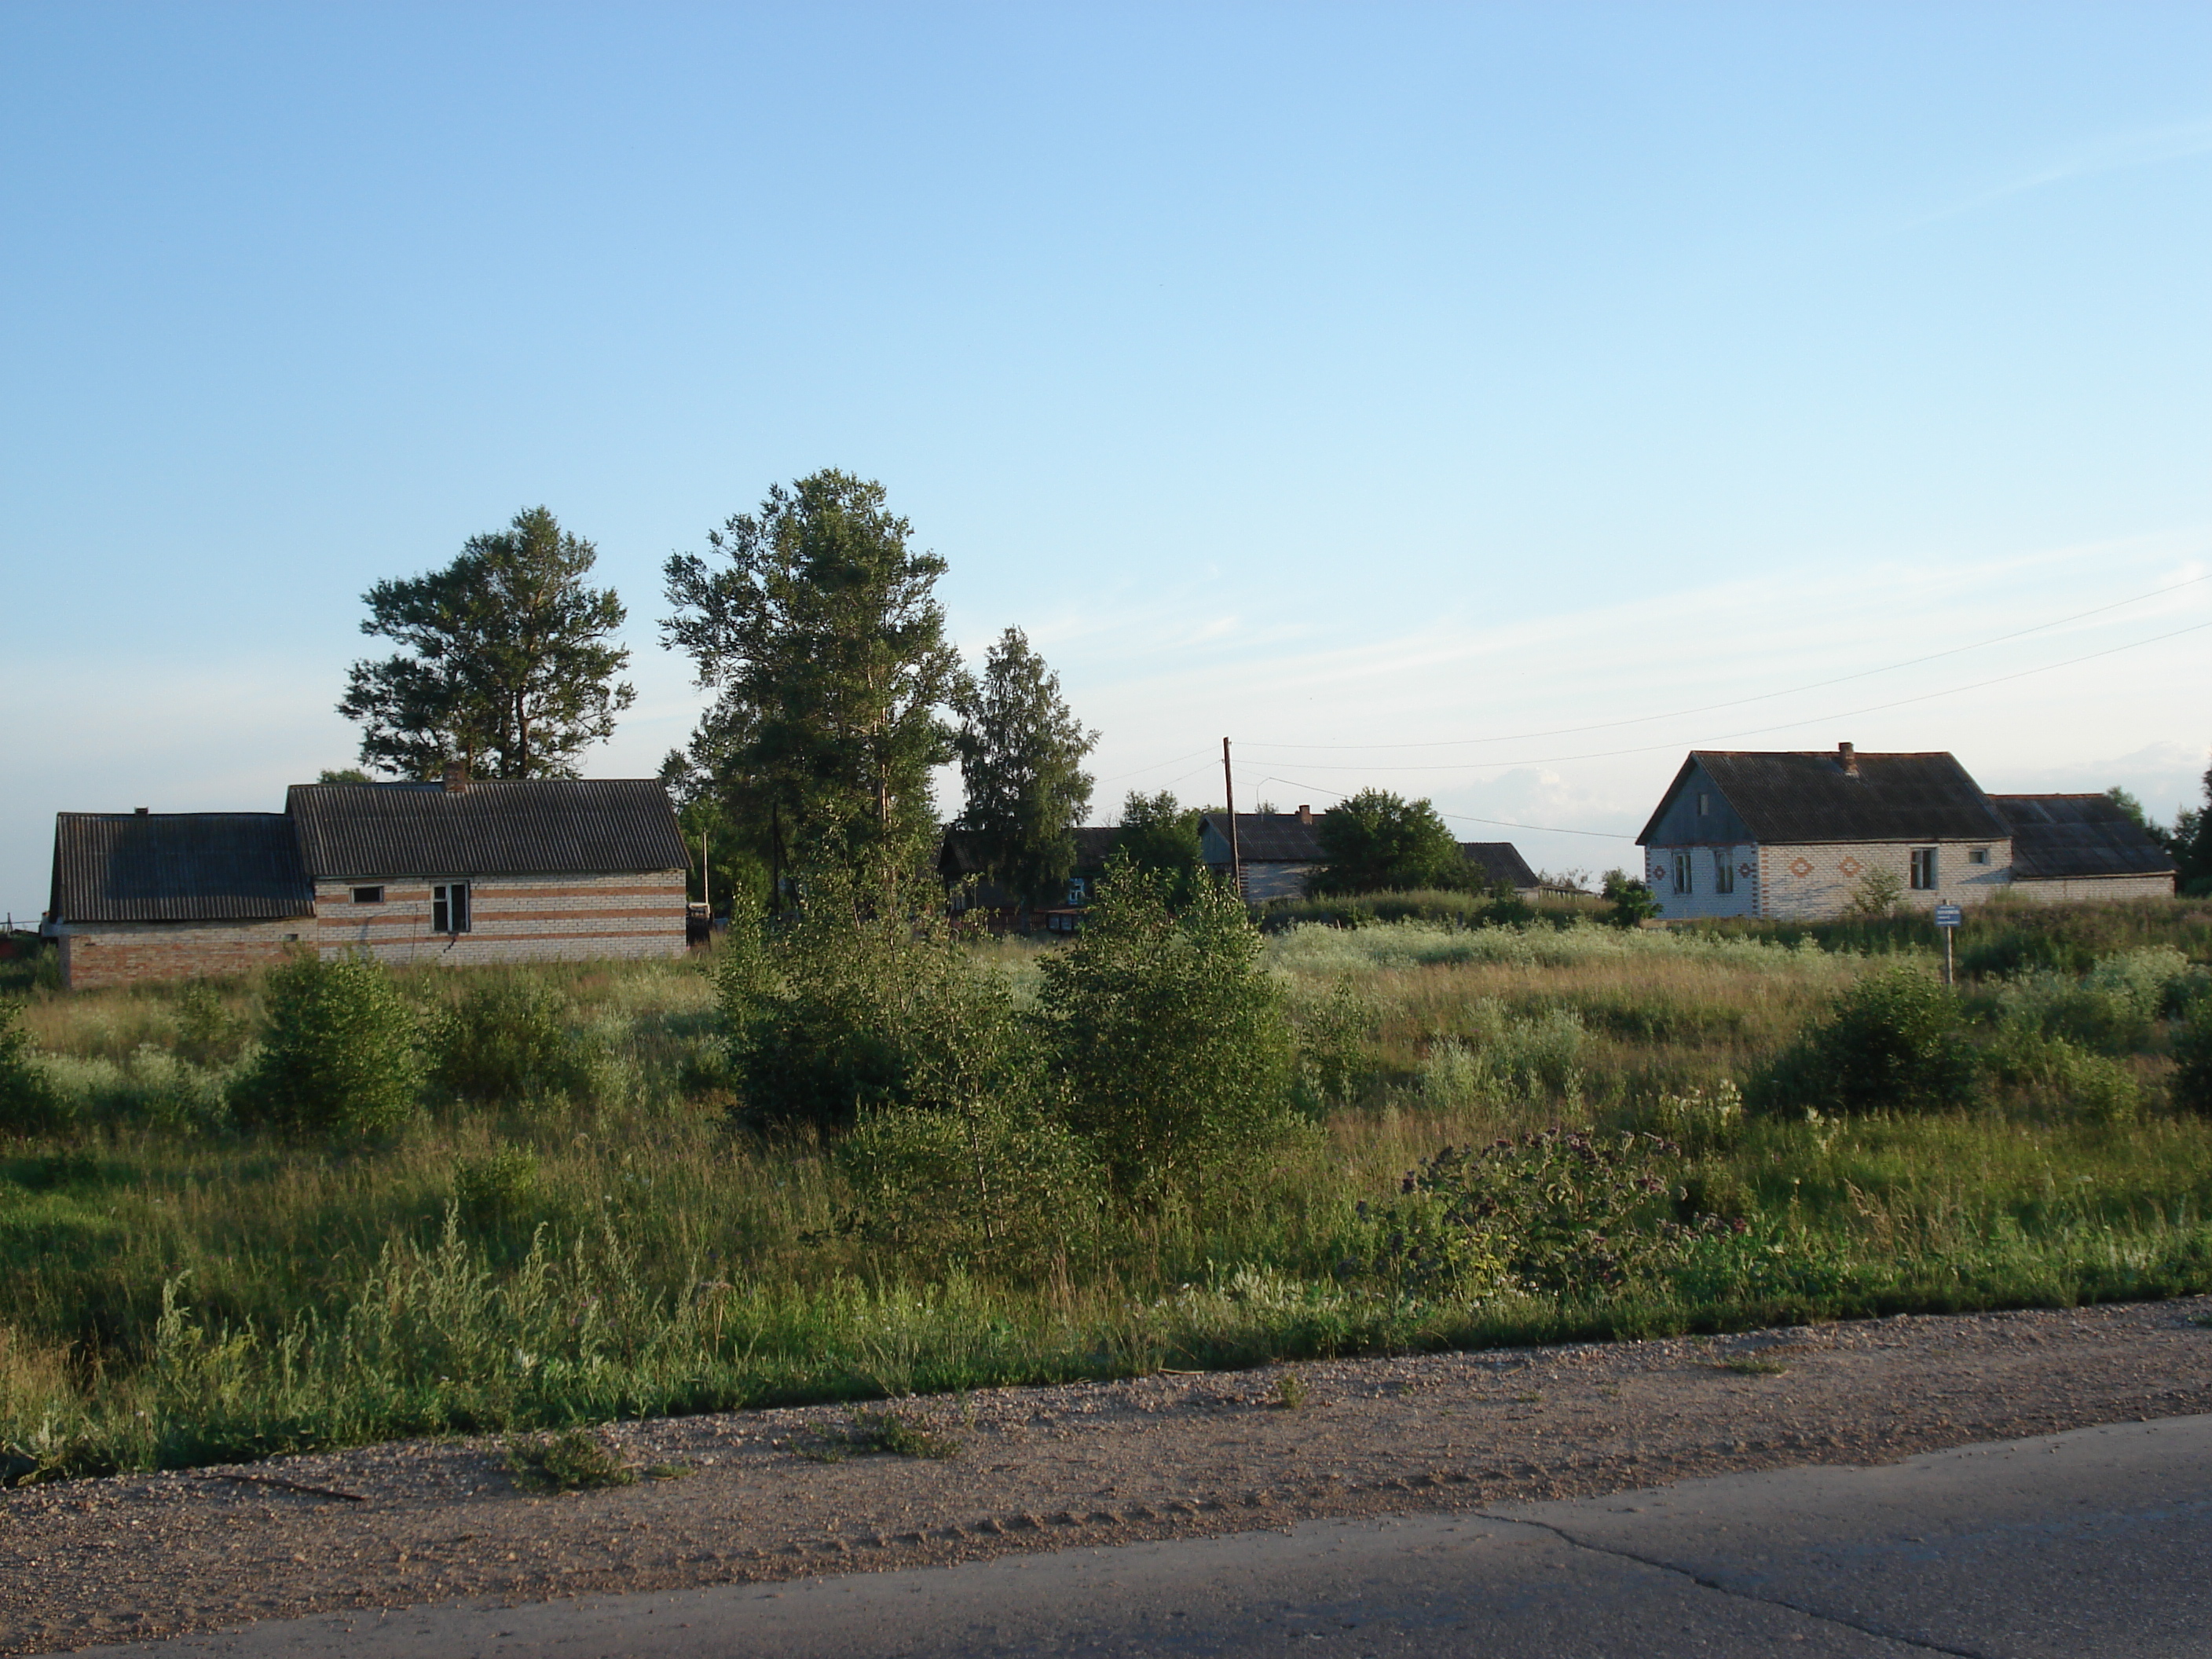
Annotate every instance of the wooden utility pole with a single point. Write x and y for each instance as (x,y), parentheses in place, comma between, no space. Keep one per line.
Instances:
(1229,790)
(706,880)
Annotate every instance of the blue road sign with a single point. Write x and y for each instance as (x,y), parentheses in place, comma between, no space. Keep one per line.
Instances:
(1949,916)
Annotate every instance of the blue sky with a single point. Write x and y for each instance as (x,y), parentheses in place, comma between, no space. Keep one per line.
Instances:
(1375,384)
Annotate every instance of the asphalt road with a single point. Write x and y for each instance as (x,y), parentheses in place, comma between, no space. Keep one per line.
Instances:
(2092,1543)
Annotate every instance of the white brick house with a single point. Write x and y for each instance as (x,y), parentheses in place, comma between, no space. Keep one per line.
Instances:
(1794,836)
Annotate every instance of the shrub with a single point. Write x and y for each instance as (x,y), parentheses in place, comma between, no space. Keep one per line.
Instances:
(500,1191)
(1560,1212)
(1335,1032)
(508,1040)
(208,1034)
(1895,1041)
(574,1460)
(1500,1059)
(849,1011)
(1167,1036)
(986,1187)
(29,1103)
(1630,900)
(2193,1071)
(340,1056)
(2046,1070)
(1878,894)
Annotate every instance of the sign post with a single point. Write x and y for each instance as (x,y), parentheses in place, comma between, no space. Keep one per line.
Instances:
(1948,920)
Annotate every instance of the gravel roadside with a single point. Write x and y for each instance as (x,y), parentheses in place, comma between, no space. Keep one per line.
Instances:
(1167,1456)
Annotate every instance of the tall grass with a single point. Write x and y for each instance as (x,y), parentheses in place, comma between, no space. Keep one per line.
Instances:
(182,1289)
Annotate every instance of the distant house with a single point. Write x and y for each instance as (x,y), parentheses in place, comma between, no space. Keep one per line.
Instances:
(2079,847)
(1276,850)
(459,871)
(973,894)
(1793,835)
(1501,861)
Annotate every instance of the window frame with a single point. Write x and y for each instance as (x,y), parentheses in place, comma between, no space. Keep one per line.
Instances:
(370,894)
(451,912)
(1685,874)
(1924,864)
(1723,870)
(1977,856)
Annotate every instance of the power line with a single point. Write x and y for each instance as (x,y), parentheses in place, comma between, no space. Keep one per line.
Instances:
(1764,696)
(1467,818)
(1753,730)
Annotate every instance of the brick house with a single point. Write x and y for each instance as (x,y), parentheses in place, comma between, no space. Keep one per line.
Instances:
(1793,837)
(461,872)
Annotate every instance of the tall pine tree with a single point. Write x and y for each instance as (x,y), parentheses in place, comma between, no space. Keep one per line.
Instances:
(818,625)
(1021,762)
(506,666)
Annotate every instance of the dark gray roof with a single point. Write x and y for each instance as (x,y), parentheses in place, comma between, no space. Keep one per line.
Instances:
(1500,861)
(1809,797)
(1264,837)
(2061,835)
(962,853)
(177,866)
(537,826)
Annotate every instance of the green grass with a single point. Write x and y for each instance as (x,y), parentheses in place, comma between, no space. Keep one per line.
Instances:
(181,1292)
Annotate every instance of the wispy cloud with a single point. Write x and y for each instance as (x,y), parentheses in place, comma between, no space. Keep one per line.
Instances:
(2114,153)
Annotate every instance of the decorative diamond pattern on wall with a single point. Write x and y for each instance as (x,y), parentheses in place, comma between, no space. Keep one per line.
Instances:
(1801,868)
(1745,869)
(1851,867)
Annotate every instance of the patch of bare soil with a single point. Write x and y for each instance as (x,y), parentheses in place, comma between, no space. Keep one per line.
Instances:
(1168,1455)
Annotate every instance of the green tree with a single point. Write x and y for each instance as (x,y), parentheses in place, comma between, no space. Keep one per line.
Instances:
(1021,763)
(1168,1040)
(2132,808)
(1376,841)
(818,625)
(1632,901)
(1159,834)
(2190,841)
(506,666)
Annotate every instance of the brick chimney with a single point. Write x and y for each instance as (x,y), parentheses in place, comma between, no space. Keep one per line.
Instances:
(1305,814)
(1847,756)
(457,777)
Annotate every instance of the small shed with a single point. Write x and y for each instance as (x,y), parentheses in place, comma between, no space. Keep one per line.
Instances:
(2079,847)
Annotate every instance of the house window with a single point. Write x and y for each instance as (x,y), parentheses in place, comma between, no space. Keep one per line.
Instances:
(368,895)
(1723,872)
(1977,856)
(449,907)
(1705,805)
(1682,872)
(1075,889)
(1923,869)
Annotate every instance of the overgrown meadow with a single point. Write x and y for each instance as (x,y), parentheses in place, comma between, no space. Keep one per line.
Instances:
(853,1164)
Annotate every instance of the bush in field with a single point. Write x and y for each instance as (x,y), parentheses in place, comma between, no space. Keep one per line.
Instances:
(2192,1070)
(500,1192)
(990,1187)
(208,1034)
(340,1056)
(1562,1212)
(1499,1058)
(1630,900)
(1167,1037)
(1895,1042)
(2037,1068)
(1335,1032)
(29,1103)
(508,1041)
(856,1007)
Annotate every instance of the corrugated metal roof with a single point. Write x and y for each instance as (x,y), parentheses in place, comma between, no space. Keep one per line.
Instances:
(2056,836)
(177,866)
(1809,797)
(1500,861)
(1263,838)
(537,826)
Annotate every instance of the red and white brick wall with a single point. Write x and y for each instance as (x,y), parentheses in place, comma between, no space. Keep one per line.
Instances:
(2066,888)
(512,919)
(101,953)
(1818,881)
